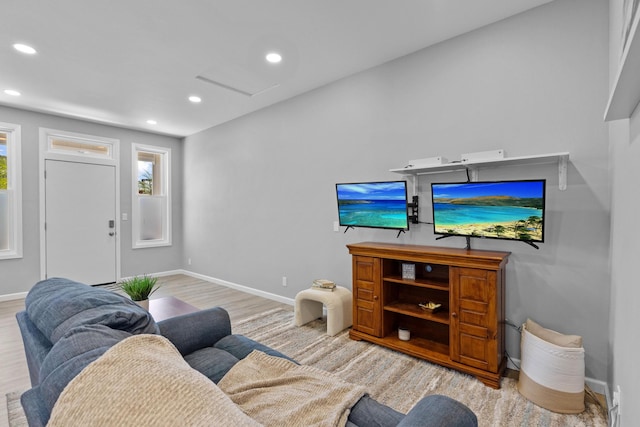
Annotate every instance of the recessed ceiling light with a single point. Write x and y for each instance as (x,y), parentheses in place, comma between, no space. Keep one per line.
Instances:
(12,92)
(24,48)
(195,99)
(152,122)
(274,57)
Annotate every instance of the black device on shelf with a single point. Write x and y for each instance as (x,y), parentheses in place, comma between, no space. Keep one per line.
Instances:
(509,210)
(414,206)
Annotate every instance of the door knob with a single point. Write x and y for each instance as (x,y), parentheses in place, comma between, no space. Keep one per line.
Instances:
(111,233)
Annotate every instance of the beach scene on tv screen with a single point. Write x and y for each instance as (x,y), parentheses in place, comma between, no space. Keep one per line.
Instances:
(507,210)
(373,205)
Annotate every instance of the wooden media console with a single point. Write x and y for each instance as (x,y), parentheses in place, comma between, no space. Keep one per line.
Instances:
(466,333)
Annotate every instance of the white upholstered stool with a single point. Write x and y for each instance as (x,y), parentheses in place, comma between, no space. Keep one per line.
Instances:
(309,307)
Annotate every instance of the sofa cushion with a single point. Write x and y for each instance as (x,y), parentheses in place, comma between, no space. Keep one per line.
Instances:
(58,305)
(241,346)
(211,362)
(71,354)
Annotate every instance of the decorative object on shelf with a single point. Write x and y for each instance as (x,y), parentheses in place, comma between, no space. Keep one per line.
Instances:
(404,334)
(408,271)
(482,155)
(432,307)
(140,289)
(323,285)
(430,161)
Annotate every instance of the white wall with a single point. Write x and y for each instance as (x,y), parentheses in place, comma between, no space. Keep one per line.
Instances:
(19,275)
(259,197)
(625,244)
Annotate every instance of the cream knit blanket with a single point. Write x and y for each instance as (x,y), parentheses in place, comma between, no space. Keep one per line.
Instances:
(144,381)
(277,392)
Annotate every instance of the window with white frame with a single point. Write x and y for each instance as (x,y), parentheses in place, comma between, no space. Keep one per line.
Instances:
(151,214)
(10,192)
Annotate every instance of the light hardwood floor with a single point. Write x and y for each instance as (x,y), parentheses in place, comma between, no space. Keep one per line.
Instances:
(13,365)
(199,293)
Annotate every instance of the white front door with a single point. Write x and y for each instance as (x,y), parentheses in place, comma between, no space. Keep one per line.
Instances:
(80,213)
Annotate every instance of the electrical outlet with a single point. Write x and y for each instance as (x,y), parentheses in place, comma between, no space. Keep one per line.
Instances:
(189,261)
(617,399)
(284,281)
(336,226)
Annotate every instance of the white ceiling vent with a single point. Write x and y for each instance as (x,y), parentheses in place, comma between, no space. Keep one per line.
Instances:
(246,91)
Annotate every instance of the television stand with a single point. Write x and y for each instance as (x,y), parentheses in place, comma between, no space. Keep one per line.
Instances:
(468,247)
(467,333)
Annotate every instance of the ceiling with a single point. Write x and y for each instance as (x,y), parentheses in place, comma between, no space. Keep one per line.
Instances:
(123,62)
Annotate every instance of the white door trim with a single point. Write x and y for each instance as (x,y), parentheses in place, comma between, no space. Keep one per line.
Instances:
(113,159)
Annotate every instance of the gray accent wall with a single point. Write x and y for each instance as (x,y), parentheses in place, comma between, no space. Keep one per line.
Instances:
(259,195)
(19,275)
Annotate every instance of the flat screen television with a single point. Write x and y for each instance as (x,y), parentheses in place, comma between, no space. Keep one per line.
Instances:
(511,210)
(373,204)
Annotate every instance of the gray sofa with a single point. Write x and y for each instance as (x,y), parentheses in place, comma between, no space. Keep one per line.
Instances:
(67,325)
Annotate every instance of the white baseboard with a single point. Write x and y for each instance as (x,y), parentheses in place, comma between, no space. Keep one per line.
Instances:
(13,297)
(252,291)
(159,274)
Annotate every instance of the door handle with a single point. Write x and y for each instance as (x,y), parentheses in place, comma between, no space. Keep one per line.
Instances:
(111,233)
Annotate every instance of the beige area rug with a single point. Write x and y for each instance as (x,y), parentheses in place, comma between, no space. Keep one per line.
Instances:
(392,378)
(398,380)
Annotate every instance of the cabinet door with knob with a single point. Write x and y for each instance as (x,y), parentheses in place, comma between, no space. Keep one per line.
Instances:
(475,338)
(366,301)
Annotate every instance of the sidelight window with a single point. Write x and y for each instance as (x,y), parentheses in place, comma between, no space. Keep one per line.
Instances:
(10,192)
(151,196)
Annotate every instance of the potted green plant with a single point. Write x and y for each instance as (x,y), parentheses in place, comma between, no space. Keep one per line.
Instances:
(139,288)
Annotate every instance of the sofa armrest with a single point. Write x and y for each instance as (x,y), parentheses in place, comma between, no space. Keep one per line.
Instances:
(193,331)
(34,408)
(439,411)
(36,346)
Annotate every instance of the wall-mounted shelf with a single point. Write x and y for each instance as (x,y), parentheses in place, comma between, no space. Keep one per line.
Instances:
(625,94)
(474,165)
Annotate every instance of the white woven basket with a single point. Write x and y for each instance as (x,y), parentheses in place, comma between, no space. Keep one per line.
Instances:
(551,376)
